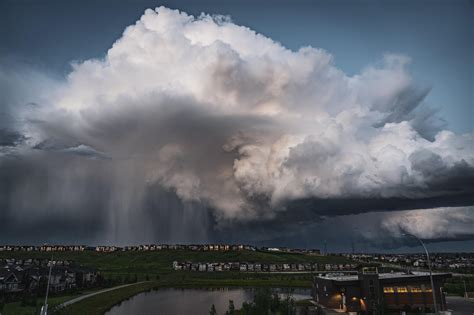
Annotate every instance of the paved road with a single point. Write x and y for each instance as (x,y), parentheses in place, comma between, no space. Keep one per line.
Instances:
(82,297)
(459,305)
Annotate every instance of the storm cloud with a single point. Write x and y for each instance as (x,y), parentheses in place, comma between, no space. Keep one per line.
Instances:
(203,125)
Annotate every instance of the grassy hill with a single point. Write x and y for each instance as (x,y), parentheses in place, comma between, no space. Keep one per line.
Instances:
(154,263)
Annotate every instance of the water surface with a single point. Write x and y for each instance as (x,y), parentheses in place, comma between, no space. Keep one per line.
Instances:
(190,301)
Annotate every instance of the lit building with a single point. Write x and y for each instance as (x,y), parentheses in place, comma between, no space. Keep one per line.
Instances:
(371,292)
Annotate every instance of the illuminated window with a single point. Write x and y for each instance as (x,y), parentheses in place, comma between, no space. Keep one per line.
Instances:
(402,290)
(388,290)
(416,289)
(425,288)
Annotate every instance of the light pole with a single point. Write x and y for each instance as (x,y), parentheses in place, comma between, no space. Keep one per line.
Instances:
(465,289)
(429,268)
(44,309)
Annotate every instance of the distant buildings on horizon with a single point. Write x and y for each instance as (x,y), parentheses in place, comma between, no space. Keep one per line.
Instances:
(461,262)
(155,247)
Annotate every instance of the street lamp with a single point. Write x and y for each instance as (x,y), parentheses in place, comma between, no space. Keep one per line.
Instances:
(44,308)
(465,289)
(429,268)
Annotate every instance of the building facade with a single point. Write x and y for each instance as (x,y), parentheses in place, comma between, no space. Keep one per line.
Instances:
(369,292)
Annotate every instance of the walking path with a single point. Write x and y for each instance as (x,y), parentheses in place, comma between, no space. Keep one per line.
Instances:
(459,305)
(82,297)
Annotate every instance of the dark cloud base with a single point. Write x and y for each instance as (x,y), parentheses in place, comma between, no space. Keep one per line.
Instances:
(331,207)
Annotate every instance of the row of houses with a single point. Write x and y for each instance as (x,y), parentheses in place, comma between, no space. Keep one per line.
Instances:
(192,247)
(33,262)
(260,267)
(16,278)
(439,261)
(304,251)
(155,247)
(43,248)
(146,247)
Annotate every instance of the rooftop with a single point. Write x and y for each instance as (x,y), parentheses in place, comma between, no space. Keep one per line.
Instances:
(392,275)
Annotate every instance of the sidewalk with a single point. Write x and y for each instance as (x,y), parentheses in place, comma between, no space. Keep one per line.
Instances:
(82,297)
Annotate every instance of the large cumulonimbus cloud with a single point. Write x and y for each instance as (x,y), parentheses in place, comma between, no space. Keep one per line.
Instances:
(227,120)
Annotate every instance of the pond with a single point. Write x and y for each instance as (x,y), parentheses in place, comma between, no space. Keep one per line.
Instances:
(192,301)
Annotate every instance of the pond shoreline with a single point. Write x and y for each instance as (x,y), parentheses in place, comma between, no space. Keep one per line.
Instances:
(103,303)
(196,300)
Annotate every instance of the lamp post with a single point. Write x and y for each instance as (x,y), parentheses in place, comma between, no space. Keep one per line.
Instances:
(429,268)
(465,289)
(44,309)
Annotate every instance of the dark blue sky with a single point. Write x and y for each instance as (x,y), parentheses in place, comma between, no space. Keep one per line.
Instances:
(437,35)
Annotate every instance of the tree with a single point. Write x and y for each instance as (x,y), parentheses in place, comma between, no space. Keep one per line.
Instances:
(288,306)
(247,308)
(213,310)
(275,303)
(100,280)
(2,303)
(231,310)
(262,300)
(305,310)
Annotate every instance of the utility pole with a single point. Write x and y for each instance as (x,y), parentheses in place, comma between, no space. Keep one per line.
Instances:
(429,268)
(44,309)
(465,289)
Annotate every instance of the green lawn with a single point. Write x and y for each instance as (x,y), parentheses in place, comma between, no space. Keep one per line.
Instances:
(16,308)
(158,262)
(99,304)
(235,279)
(455,285)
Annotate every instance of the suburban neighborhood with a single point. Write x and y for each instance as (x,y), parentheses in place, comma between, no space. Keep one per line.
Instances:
(345,283)
(31,275)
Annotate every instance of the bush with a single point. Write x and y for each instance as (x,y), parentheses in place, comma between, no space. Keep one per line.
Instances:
(213,311)
(231,310)
(2,303)
(264,302)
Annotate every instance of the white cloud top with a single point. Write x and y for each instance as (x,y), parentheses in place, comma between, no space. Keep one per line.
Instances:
(228,118)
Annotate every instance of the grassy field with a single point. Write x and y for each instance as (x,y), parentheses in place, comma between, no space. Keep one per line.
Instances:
(99,304)
(16,308)
(455,285)
(160,262)
(236,279)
